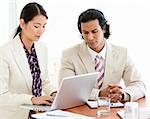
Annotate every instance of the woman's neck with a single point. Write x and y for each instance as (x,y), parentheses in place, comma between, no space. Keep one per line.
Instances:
(27,42)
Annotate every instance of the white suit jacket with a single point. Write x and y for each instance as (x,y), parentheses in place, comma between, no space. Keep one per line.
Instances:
(16,79)
(77,60)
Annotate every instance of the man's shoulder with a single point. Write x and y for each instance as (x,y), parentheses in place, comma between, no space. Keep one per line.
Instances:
(74,49)
(116,48)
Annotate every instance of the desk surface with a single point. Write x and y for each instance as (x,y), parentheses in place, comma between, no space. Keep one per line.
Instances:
(85,110)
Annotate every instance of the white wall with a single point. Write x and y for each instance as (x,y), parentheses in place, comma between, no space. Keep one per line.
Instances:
(4,23)
(129,22)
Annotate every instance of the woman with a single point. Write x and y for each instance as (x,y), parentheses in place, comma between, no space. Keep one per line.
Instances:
(23,66)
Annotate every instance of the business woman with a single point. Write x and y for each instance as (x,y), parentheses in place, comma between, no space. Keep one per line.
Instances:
(23,66)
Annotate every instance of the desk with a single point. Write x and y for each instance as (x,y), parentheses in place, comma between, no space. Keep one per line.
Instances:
(85,110)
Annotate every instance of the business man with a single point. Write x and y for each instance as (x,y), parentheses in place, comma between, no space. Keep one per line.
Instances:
(95,54)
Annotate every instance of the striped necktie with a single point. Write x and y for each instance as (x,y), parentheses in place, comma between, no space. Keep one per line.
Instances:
(99,66)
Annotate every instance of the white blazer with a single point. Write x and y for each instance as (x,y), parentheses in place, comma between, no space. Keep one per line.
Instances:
(16,79)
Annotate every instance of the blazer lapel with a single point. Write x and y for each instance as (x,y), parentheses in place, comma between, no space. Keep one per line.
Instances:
(86,58)
(21,61)
(40,55)
(109,64)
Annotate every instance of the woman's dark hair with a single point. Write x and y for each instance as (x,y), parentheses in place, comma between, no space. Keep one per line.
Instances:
(92,14)
(29,11)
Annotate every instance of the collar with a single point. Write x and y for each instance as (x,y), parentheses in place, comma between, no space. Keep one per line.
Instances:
(93,53)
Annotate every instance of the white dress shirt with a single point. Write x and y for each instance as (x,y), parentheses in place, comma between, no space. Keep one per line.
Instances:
(103,54)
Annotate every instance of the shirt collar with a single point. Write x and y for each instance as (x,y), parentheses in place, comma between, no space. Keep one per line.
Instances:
(93,53)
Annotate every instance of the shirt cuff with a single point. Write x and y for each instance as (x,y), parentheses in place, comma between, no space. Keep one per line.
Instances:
(126,96)
(98,94)
(94,94)
(53,93)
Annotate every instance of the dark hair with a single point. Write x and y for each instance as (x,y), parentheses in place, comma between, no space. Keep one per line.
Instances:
(29,11)
(92,14)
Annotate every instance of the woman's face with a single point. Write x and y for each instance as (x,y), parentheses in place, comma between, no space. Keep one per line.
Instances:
(33,30)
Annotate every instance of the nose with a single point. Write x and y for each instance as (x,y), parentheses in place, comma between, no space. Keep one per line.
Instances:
(90,36)
(40,31)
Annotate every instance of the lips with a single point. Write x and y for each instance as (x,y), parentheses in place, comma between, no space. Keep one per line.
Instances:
(91,43)
(37,37)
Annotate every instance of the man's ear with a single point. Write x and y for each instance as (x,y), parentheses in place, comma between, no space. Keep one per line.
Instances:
(22,23)
(104,29)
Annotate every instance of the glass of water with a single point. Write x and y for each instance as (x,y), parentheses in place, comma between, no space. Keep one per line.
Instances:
(103,104)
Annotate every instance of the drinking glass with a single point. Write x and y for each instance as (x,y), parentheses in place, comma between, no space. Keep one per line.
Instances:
(103,104)
(131,110)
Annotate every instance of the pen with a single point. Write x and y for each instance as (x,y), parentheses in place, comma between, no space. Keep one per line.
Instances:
(92,99)
(55,115)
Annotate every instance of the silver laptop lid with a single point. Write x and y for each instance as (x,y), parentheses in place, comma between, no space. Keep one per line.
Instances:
(74,90)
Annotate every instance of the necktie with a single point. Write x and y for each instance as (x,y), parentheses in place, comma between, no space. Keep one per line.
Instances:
(99,66)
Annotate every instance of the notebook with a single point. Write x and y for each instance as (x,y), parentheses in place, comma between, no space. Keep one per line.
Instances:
(73,91)
(93,104)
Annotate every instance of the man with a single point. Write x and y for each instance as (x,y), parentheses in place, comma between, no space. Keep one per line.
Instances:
(95,54)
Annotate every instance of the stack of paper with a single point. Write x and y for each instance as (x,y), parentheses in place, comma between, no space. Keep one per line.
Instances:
(144,113)
(59,114)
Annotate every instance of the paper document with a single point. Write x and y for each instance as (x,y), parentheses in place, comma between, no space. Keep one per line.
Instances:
(59,114)
(93,104)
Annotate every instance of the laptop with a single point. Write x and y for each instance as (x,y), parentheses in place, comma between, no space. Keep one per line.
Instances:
(73,91)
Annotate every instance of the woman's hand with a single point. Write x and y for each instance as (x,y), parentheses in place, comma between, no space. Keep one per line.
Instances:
(46,100)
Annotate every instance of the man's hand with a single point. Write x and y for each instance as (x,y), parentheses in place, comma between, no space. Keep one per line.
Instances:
(115,93)
(105,92)
(112,91)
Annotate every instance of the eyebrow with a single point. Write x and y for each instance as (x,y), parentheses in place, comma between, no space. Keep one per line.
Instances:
(91,30)
(39,23)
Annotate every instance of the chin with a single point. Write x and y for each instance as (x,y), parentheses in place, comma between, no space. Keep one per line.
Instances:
(93,45)
(36,39)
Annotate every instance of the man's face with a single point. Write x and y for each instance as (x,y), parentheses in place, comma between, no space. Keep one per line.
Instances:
(93,35)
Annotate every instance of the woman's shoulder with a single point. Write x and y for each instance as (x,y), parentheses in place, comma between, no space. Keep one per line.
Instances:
(6,46)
